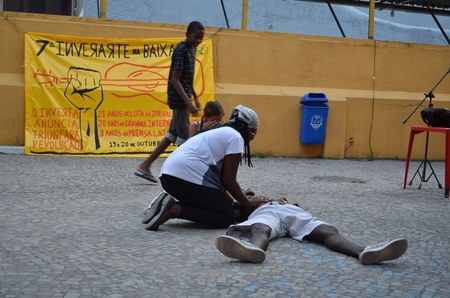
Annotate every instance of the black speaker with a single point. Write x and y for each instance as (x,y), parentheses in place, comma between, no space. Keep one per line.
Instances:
(436,117)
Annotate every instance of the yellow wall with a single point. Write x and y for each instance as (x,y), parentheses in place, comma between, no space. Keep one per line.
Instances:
(372,86)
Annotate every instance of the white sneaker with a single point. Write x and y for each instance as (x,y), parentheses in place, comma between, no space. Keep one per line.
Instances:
(383,251)
(238,249)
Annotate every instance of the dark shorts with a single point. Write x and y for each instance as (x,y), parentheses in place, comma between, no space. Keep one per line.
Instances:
(179,126)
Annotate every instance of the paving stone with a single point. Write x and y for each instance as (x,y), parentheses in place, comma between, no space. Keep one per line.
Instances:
(71,227)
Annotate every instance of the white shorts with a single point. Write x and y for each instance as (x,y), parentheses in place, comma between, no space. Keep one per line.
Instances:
(284,220)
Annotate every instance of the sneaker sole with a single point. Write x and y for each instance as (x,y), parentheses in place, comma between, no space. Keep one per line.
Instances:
(390,251)
(235,249)
(154,209)
(157,220)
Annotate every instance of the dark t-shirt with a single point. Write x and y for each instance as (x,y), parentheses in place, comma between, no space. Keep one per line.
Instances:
(183,58)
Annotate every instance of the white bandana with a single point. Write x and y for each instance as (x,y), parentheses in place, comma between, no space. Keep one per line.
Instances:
(247,115)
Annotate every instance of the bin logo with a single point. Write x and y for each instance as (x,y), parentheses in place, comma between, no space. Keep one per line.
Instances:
(316,121)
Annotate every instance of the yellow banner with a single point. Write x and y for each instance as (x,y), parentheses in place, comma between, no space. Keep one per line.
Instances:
(102,96)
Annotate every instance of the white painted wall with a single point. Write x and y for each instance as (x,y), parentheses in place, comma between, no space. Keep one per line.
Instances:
(288,16)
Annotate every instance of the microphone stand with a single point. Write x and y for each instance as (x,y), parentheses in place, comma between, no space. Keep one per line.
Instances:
(425,160)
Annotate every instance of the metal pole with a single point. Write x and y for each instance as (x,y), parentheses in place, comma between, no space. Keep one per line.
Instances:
(244,14)
(225,14)
(335,18)
(371,18)
(439,25)
(103,9)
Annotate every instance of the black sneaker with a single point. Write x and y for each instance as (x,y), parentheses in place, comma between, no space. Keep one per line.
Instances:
(157,220)
(154,208)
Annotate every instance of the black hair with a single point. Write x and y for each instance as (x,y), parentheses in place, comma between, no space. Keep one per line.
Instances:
(193,26)
(213,108)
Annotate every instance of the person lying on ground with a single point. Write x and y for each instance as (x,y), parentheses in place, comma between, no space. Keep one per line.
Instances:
(248,241)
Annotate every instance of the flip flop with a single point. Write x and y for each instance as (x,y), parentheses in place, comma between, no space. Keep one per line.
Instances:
(146,176)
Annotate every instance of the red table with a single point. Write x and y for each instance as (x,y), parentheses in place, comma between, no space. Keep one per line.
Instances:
(419,129)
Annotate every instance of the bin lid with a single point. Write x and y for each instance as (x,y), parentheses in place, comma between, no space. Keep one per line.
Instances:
(314,97)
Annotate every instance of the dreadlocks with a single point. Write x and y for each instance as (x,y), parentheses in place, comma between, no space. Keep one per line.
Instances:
(242,127)
(242,120)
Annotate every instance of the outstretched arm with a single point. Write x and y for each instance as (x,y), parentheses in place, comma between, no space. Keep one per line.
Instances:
(229,174)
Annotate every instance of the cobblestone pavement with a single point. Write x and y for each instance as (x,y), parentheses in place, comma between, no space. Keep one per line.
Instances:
(71,227)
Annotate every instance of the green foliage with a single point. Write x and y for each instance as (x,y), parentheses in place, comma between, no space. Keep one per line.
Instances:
(258,154)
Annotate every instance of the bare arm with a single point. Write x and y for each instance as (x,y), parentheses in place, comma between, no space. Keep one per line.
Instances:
(230,198)
(229,173)
(193,128)
(196,101)
(179,88)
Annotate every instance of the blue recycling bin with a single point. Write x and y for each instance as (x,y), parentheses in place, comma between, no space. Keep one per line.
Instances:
(314,118)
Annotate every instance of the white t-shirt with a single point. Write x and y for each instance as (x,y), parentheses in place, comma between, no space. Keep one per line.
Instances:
(199,160)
